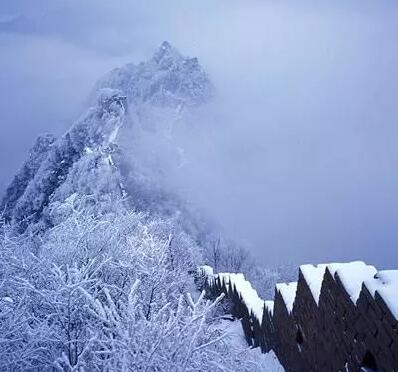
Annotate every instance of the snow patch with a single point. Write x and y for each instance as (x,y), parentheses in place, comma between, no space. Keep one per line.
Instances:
(288,293)
(110,160)
(113,134)
(236,342)
(385,283)
(313,276)
(269,305)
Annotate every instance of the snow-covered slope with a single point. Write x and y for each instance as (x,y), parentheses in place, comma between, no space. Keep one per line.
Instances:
(237,344)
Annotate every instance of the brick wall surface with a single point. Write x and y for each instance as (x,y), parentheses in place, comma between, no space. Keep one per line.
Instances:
(268,331)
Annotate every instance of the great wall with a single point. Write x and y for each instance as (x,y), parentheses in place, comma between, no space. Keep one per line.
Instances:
(336,317)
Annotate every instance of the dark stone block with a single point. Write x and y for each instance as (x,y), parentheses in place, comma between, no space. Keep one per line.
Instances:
(386,310)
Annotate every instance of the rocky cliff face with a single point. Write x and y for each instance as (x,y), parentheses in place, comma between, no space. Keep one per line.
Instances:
(27,173)
(86,159)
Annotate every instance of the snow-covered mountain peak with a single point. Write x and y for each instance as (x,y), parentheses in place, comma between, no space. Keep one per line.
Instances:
(168,79)
(166,55)
(86,160)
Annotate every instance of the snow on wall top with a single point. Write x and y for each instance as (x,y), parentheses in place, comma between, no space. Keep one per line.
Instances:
(242,286)
(269,305)
(313,275)
(351,274)
(288,293)
(248,294)
(385,283)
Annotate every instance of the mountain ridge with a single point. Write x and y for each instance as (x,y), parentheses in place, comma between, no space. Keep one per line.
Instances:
(83,159)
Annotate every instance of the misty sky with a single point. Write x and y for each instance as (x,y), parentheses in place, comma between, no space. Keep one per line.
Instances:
(297,155)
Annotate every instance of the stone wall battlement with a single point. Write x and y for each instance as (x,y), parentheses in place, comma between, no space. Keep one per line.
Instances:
(336,317)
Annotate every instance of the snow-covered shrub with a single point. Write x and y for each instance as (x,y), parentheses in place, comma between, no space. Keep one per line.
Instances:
(106,292)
